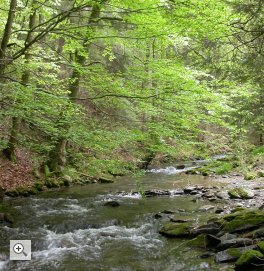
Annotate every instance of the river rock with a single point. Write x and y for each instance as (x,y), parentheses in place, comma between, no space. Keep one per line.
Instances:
(206,255)
(241,193)
(236,242)
(189,189)
(249,259)
(206,208)
(155,192)
(231,254)
(112,203)
(206,229)
(167,212)
(180,166)
(243,221)
(222,195)
(219,210)
(171,229)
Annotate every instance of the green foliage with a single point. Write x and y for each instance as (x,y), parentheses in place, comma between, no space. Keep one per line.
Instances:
(120,80)
(258,151)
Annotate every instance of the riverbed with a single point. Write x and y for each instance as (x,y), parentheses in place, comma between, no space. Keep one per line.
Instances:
(72,229)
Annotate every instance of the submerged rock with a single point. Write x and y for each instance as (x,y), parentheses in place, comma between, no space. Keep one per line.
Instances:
(171,229)
(112,203)
(206,208)
(180,166)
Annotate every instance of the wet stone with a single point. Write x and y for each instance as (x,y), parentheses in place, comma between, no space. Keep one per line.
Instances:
(206,208)
(112,203)
(237,242)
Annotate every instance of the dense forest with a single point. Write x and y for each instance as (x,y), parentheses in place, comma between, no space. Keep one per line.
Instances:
(130,132)
(107,86)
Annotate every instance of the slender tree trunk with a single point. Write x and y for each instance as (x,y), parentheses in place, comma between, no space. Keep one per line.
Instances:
(58,156)
(7,34)
(9,152)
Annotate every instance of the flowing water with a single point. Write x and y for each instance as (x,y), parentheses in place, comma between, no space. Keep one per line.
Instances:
(71,229)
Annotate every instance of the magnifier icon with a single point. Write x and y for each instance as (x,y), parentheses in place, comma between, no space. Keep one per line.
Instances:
(19,249)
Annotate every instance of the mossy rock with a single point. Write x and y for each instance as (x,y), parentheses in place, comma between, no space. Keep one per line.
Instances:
(171,229)
(240,193)
(203,241)
(250,176)
(238,209)
(39,186)
(243,221)
(24,191)
(8,213)
(260,174)
(52,183)
(199,241)
(105,180)
(260,246)
(248,259)
(231,254)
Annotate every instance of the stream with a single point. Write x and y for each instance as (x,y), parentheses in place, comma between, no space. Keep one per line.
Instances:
(71,229)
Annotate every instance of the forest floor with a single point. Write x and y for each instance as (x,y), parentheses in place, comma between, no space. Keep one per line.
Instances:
(15,174)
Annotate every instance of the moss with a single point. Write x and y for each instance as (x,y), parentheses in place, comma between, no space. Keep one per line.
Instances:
(199,241)
(260,246)
(234,252)
(250,176)
(39,186)
(175,229)
(105,180)
(52,183)
(243,221)
(238,209)
(9,213)
(247,258)
(223,168)
(238,193)
(260,174)
(26,191)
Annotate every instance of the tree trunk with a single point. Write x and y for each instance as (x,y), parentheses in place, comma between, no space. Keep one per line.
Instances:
(58,156)
(9,152)
(7,34)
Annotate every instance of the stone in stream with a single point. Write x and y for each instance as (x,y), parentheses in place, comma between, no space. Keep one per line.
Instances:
(231,254)
(206,255)
(222,195)
(243,221)
(155,192)
(219,210)
(171,229)
(180,166)
(189,189)
(236,242)
(206,208)
(206,229)
(249,259)
(241,193)
(167,212)
(112,203)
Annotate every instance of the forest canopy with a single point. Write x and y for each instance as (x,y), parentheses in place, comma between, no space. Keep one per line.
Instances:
(107,86)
